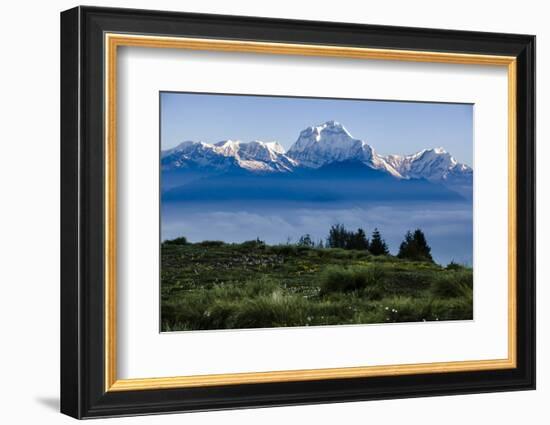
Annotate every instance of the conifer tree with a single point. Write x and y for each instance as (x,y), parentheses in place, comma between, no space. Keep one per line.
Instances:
(415,247)
(338,237)
(305,240)
(422,245)
(357,240)
(407,249)
(377,245)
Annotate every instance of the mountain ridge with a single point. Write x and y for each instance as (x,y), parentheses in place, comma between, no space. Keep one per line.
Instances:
(315,147)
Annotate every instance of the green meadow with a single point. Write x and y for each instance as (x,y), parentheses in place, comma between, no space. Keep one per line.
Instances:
(217,285)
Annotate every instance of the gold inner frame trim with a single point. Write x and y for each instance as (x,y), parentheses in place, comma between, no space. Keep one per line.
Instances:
(113,41)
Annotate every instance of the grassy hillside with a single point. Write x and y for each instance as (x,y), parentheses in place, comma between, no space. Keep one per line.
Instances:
(212,285)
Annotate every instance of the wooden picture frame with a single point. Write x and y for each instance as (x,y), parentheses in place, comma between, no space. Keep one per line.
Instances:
(90,38)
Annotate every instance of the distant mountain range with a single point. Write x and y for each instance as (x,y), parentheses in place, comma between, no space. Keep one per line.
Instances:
(325,163)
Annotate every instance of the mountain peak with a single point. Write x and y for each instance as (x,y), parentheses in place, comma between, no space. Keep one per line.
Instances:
(329,127)
(228,147)
(330,142)
(432,164)
(332,124)
(433,152)
(320,144)
(228,142)
(438,155)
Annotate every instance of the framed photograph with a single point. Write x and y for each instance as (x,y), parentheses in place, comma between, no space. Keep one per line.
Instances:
(261,212)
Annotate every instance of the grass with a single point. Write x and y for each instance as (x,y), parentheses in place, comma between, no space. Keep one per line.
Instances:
(214,285)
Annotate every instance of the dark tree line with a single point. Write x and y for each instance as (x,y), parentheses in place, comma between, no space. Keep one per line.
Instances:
(414,246)
(340,237)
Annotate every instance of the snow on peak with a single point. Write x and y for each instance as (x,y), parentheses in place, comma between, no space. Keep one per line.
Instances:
(255,155)
(319,132)
(432,164)
(330,142)
(228,147)
(275,147)
(316,146)
(183,148)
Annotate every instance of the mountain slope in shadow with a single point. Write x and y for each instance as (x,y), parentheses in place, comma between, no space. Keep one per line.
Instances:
(337,181)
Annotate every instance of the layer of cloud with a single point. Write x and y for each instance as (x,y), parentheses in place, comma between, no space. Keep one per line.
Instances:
(448,226)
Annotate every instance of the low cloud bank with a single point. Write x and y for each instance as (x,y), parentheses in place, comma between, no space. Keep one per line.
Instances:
(448,226)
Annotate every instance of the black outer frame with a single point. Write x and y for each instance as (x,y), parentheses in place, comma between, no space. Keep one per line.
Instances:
(82,217)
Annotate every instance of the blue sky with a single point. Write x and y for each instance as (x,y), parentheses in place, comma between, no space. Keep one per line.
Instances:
(389,127)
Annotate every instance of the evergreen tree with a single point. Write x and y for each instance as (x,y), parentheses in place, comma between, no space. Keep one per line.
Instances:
(305,240)
(358,240)
(338,236)
(407,249)
(362,240)
(415,247)
(423,247)
(377,245)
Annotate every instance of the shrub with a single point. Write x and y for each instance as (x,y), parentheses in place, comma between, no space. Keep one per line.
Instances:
(211,243)
(187,312)
(253,244)
(451,309)
(359,255)
(284,249)
(454,266)
(382,259)
(408,282)
(231,306)
(456,284)
(405,309)
(253,288)
(349,279)
(339,253)
(182,240)
(409,309)
(301,249)
(275,309)
(306,241)
(375,292)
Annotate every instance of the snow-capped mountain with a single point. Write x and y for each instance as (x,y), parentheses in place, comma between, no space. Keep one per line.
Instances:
(257,155)
(435,165)
(330,142)
(431,164)
(316,147)
(227,154)
(189,154)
